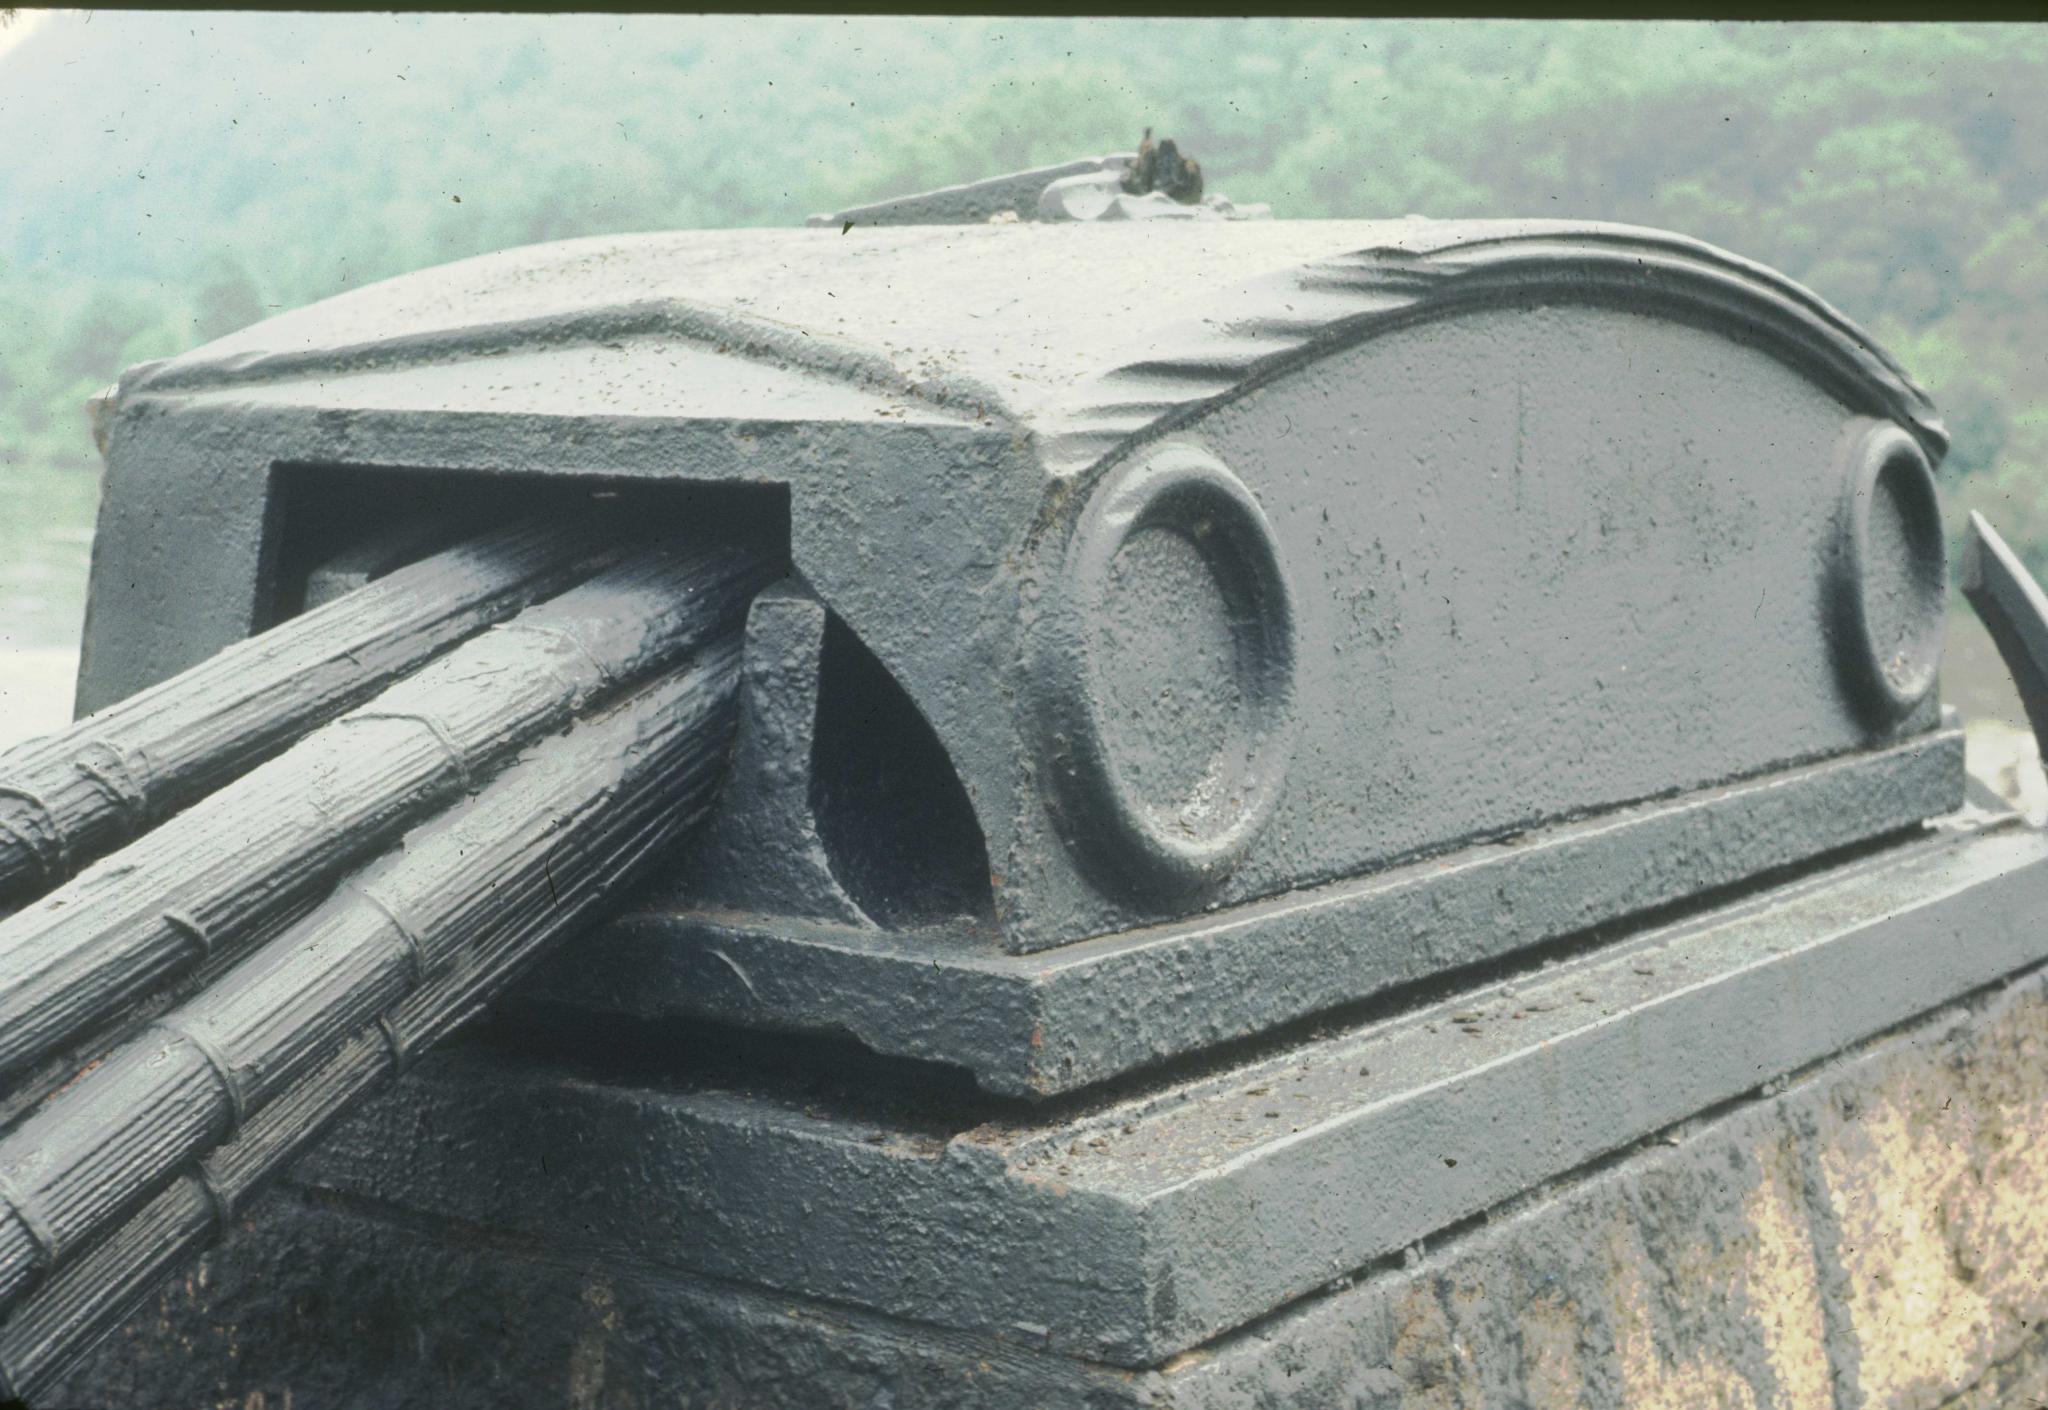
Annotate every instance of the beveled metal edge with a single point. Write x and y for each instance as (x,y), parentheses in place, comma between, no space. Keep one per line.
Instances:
(1042,1024)
(1336,302)
(1203,361)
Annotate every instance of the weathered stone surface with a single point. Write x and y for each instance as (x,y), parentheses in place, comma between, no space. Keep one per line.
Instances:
(1869,1236)
(1872,1236)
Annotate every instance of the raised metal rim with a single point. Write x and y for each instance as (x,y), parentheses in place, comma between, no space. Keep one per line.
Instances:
(1888,687)
(1184,487)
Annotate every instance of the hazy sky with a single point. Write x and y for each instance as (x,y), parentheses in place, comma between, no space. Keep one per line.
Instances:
(19,27)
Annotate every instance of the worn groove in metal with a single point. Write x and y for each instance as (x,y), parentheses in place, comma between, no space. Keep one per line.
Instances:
(303,1022)
(70,797)
(229,864)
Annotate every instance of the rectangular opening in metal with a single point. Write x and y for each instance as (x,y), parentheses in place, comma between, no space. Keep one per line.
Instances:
(326,518)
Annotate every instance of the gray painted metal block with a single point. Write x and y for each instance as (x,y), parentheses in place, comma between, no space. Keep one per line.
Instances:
(1374,539)
(1267,765)
(1041,1025)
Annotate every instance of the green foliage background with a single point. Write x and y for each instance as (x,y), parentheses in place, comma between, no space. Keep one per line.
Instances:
(167,178)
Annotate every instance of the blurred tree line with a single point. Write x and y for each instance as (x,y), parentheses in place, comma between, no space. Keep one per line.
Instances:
(167,178)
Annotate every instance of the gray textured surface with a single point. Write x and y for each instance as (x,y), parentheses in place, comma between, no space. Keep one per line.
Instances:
(207,884)
(222,1090)
(762,846)
(1637,432)
(69,798)
(1746,1258)
(1132,1229)
(1037,1025)
(1381,720)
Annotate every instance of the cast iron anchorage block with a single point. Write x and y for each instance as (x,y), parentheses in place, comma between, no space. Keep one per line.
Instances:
(1217,655)
(1207,563)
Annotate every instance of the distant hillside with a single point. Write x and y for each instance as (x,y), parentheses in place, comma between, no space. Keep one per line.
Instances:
(165,178)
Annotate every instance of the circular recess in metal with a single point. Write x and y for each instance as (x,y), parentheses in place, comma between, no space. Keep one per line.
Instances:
(1166,674)
(1890,596)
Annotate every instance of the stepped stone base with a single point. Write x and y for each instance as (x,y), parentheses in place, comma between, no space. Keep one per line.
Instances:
(1871,1233)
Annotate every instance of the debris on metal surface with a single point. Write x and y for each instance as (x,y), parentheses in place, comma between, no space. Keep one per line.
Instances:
(1154,182)
(1160,167)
